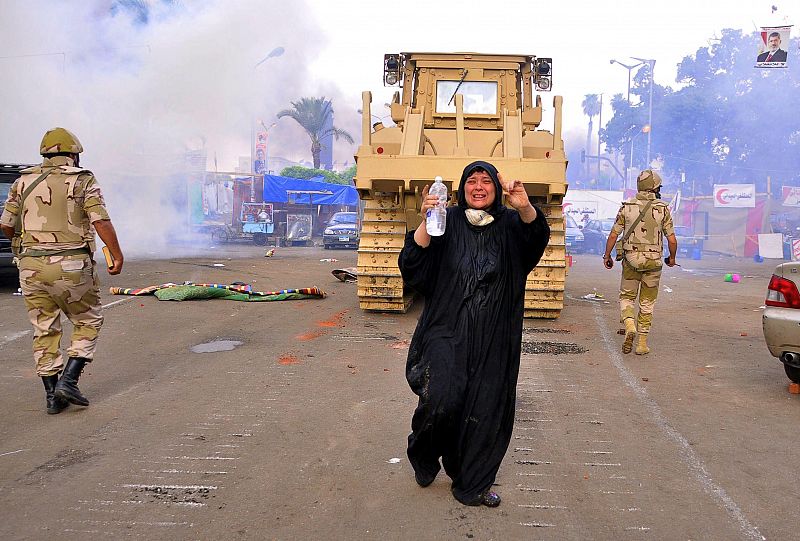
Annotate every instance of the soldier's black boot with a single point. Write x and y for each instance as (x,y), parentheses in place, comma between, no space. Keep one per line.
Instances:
(67,386)
(54,405)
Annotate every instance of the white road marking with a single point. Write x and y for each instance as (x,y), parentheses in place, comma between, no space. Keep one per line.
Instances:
(14,452)
(687,454)
(13,336)
(17,335)
(109,305)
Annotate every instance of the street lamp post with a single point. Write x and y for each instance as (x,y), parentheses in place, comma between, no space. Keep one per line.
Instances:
(277,51)
(651,65)
(645,129)
(600,125)
(629,68)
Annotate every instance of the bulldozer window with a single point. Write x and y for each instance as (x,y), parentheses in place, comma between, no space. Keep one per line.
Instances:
(480,97)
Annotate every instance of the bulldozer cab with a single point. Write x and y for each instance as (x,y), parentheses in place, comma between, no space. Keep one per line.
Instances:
(488,84)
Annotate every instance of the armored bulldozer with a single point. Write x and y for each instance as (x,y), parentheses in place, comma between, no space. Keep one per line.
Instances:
(456,108)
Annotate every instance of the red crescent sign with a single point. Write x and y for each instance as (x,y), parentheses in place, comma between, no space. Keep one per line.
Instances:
(719,196)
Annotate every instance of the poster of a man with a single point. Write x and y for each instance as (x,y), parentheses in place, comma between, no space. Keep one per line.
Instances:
(770,53)
(260,165)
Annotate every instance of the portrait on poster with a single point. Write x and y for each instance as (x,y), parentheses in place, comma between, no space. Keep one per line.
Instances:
(772,47)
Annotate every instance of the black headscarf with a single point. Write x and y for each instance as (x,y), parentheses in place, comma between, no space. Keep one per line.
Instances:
(497,204)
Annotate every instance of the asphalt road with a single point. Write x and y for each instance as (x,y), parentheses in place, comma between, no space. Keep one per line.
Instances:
(298,431)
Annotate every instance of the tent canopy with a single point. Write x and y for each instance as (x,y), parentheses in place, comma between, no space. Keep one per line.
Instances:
(325,193)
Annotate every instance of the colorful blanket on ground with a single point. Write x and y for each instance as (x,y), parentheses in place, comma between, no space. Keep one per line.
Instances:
(232,292)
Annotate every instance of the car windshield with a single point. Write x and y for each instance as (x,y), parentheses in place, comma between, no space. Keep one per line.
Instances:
(606,225)
(571,223)
(344,218)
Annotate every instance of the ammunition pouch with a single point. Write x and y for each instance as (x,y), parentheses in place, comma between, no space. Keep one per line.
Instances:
(16,245)
(620,253)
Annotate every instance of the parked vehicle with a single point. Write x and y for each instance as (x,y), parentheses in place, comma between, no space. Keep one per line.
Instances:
(781,318)
(595,235)
(255,221)
(573,236)
(341,231)
(688,242)
(8,174)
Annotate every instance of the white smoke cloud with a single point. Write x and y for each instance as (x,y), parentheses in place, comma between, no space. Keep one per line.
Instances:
(139,95)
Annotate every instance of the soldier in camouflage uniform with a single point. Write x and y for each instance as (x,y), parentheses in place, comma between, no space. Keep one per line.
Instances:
(641,256)
(51,215)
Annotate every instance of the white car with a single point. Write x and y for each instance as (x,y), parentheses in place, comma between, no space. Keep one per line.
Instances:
(781,319)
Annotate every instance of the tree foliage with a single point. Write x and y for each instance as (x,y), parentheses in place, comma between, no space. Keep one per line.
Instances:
(729,122)
(314,115)
(298,171)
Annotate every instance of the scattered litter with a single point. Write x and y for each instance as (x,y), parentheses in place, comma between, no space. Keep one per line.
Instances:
(593,296)
(219,265)
(393,460)
(402,344)
(328,260)
(732,277)
(270,252)
(710,366)
(645,379)
(742,334)
(349,274)
(667,289)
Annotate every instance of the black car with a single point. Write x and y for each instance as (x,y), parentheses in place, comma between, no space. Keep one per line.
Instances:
(341,231)
(573,237)
(9,172)
(595,234)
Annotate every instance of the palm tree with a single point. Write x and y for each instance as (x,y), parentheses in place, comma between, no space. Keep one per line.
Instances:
(315,115)
(591,108)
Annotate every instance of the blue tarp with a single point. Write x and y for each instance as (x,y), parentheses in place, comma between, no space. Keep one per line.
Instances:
(275,191)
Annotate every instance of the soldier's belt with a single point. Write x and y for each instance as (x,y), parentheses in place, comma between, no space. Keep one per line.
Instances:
(42,253)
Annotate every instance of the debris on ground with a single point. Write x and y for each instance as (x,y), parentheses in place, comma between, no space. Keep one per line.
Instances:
(232,292)
(270,252)
(349,274)
(667,289)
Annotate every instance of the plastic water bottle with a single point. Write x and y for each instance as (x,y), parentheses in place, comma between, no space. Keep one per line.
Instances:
(436,218)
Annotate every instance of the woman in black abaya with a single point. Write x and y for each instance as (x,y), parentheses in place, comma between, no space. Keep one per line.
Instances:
(463,360)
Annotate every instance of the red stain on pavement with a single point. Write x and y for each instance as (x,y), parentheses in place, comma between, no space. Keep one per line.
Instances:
(286,359)
(310,335)
(334,321)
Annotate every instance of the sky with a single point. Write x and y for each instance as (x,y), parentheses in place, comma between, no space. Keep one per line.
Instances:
(140,93)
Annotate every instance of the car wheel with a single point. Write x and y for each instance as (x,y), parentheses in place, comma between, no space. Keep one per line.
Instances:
(793,372)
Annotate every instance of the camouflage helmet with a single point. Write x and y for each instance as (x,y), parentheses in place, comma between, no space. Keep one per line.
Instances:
(648,181)
(60,140)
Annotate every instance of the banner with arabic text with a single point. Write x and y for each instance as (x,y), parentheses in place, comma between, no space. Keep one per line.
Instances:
(734,195)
